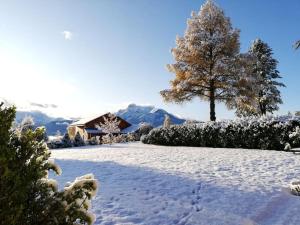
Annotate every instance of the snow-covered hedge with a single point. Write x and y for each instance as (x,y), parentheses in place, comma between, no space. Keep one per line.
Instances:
(144,129)
(277,133)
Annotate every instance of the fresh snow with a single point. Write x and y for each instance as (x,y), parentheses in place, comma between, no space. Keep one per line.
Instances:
(137,115)
(155,185)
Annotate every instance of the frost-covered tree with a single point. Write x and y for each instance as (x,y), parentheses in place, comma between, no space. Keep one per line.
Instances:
(167,121)
(265,86)
(27,123)
(244,87)
(58,134)
(206,59)
(28,196)
(78,140)
(110,126)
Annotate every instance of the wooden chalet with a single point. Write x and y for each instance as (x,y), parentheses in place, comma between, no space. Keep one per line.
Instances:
(87,128)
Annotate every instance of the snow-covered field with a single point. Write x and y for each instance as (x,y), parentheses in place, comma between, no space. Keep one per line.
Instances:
(146,184)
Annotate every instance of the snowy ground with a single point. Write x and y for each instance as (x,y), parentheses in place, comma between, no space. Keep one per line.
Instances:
(146,184)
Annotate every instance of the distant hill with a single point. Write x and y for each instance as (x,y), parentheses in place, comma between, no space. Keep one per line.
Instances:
(136,115)
(52,124)
(38,116)
(60,125)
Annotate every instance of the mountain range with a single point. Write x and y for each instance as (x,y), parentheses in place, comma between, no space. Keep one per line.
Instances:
(134,114)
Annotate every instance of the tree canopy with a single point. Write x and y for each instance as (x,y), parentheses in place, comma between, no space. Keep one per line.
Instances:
(206,59)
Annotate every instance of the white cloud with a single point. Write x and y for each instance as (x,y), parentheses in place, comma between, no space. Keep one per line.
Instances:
(42,105)
(68,35)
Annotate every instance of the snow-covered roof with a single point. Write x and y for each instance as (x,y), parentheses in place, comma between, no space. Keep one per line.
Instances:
(85,120)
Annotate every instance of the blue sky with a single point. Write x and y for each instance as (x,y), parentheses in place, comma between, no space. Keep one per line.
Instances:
(89,56)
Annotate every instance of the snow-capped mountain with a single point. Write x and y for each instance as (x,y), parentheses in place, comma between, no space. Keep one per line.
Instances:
(136,114)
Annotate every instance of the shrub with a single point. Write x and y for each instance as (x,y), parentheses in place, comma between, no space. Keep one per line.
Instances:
(118,138)
(55,143)
(66,141)
(94,141)
(143,130)
(108,139)
(130,137)
(27,195)
(78,140)
(253,133)
(295,188)
(121,138)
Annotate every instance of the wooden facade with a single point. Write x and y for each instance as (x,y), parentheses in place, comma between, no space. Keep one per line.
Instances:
(87,128)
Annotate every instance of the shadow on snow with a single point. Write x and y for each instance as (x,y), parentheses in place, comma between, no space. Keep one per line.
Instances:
(141,195)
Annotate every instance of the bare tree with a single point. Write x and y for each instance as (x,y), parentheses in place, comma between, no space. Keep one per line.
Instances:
(110,126)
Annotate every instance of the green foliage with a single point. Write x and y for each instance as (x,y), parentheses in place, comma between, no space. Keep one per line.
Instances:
(248,133)
(28,197)
(10,210)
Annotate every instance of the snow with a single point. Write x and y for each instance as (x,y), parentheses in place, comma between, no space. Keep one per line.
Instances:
(137,114)
(146,184)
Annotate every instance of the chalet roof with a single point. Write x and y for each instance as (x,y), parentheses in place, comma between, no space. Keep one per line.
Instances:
(84,121)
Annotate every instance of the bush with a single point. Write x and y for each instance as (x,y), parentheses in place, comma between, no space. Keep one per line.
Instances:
(66,141)
(28,196)
(78,140)
(55,143)
(108,139)
(253,133)
(121,138)
(130,137)
(94,141)
(143,130)
(295,188)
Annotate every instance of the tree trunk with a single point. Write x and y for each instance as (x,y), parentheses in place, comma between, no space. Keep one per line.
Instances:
(212,101)
(262,106)
(263,110)
(212,110)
